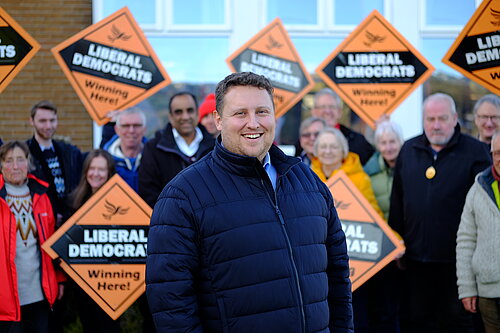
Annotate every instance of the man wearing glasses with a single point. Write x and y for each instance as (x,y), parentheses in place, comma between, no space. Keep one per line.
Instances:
(328,106)
(487,117)
(309,129)
(478,264)
(127,144)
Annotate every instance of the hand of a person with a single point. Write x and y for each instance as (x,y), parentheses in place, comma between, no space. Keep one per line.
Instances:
(382,118)
(59,219)
(400,254)
(112,114)
(470,303)
(61,291)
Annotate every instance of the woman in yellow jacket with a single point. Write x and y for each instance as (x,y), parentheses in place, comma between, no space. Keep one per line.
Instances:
(332,154)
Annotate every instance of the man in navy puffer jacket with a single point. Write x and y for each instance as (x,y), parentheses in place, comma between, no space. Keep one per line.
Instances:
(247,239)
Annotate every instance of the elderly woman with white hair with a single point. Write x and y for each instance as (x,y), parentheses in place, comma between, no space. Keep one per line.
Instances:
(332,154)
(384,317)
(380,167)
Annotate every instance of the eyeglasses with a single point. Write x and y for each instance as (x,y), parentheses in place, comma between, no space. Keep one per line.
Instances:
(496,153)
(307,135)
(327,107)
(482,117)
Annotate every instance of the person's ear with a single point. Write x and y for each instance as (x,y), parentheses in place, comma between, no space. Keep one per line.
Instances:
(217,120)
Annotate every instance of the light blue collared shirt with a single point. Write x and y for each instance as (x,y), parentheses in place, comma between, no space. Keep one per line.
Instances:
(270,169)
(51,147)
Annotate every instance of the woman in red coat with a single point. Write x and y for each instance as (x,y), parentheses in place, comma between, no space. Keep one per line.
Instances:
(28,282)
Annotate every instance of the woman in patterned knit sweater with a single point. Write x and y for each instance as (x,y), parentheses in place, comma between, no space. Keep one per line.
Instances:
(28,280)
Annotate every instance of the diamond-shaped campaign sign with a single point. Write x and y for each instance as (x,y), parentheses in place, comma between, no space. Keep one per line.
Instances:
(111,65)
(102,247)
(17,47)
(371,243)
(476,51)
(374,69)
(271,53)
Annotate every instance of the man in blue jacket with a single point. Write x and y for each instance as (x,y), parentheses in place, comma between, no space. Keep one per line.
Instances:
(433,174)
(247,239)
(127,144)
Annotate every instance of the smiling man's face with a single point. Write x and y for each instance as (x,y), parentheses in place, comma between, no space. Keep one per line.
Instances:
(247,121)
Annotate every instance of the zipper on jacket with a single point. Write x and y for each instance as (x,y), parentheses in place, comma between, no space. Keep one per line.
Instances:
(16,300)
(290,251)
(42,262)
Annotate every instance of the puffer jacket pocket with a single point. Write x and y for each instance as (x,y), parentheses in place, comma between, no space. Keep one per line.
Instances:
(222,313)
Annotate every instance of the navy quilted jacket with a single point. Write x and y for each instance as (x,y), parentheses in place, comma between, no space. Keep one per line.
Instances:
(227,253)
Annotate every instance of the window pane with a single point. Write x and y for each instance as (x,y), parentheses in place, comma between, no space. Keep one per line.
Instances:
(354,11)
(195,64)
(143,11)
(199,12)
(313,51)
(193,59)
(434,49)
(293,11)
(448,12)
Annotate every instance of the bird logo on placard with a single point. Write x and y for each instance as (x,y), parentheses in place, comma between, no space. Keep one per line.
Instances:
(116,34)
(372,38)
(496,16)
(341,205)
(113,210)
(273,43)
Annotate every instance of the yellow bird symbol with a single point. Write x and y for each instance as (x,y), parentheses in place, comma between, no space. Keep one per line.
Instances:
(273,43)
(372,38)
(496,16)
(117,34)
(113,210)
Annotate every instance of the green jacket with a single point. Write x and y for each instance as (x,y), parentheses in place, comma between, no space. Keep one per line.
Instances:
(381,177)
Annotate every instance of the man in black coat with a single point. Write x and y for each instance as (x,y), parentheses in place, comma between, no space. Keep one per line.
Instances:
(174,148)
(328,106)
(60,165)
(433,174)
(247,240)
(56,162)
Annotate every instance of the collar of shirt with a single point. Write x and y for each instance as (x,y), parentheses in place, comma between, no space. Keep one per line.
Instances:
(270,169)
(191,149)
(51,147)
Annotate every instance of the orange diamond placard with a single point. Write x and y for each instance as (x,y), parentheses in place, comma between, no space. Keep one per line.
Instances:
(271,53)
(476,51)
(371,243)
(17,47)
(111,65)
(102,247)
(374,69)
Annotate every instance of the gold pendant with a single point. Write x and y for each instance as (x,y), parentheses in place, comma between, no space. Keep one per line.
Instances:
(430,172)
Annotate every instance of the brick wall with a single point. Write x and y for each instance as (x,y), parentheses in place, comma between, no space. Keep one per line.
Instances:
(49,22)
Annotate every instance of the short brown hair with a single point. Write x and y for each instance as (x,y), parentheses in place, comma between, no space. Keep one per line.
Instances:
(45,105)
(241,79)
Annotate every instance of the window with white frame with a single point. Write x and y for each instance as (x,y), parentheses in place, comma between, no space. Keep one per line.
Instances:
(193,38)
